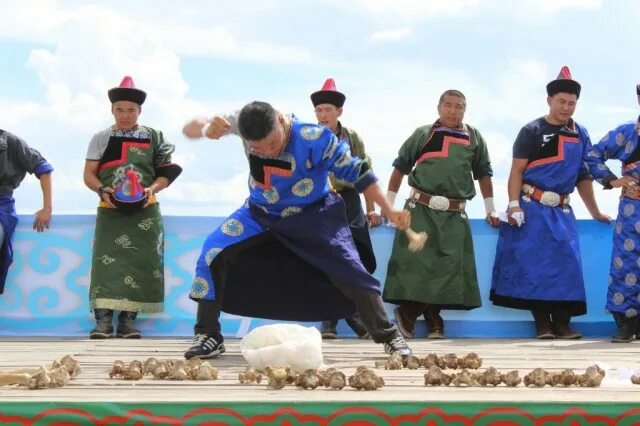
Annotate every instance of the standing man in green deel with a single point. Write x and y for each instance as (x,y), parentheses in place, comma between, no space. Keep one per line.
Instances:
(126,165)
(441,160)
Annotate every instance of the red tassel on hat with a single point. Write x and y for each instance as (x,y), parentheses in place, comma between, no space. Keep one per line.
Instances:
(127,82)
(565,73)
(328,95)
(329,84)
(564,83)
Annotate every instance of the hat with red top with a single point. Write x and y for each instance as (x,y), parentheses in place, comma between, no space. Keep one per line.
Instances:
(328,95)
(127,92)
(564,83)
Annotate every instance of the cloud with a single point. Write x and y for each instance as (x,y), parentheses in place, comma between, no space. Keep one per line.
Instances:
(413,10)
(499,146)
(516,92)
(78,50)
(213,197)
(557,6)
(75,73)
(617,111)
(191,35)
(423,10)
(390,35)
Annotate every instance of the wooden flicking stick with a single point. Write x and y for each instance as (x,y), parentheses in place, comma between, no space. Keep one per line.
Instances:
(40,379)
(15,379)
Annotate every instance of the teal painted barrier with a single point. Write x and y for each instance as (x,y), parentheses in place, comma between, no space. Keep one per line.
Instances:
(47,288)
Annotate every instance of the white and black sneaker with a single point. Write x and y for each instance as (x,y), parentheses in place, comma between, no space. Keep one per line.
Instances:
(205,346)
(397,345)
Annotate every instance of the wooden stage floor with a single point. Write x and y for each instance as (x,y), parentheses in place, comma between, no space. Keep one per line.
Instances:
(96,358)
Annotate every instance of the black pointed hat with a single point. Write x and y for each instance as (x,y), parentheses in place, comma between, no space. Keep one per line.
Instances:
(328,95)
(564,83)
(127,92)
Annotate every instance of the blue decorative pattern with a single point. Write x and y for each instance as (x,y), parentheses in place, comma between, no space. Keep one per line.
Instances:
(540,261)
(288,193)
(47,287)
(623,295)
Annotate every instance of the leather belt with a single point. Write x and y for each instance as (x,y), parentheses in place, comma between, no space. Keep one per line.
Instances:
(437,202)
(547,198)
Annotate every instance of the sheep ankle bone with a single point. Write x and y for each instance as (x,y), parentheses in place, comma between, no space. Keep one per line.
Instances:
(417,240)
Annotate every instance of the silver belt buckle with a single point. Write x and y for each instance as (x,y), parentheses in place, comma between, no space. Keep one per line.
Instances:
(550,198)
(438,202)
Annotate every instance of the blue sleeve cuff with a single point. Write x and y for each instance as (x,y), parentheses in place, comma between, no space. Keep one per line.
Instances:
(606,181)
(365,181)
(585,176)
(42,168)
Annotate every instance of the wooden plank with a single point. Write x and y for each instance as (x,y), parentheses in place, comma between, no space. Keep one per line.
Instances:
(96,358)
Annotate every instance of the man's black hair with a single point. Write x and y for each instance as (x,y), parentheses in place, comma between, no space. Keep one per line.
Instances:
(256,120)
(451,92)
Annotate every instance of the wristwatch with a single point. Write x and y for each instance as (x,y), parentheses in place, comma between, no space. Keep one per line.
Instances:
(101,191)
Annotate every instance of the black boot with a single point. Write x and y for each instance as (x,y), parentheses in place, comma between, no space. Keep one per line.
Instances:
(407,314)
(626,328)
(356,325)
(435,323)
(328,329)
(561,328)
(544,329)
(104,324)
(126,326)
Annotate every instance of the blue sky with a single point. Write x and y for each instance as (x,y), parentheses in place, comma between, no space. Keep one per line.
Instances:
(392,59)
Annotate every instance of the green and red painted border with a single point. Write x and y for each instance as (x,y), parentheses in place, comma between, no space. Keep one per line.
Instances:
(319,413)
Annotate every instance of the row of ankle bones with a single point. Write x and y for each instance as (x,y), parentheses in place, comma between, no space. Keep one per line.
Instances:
(61,372)
(57,375)
(437,365)
(193,369)
(364,378)
(275,377)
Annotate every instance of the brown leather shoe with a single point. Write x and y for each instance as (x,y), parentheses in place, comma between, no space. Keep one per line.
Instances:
(544,328)
(328,329)
(435,323)
(561,327)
